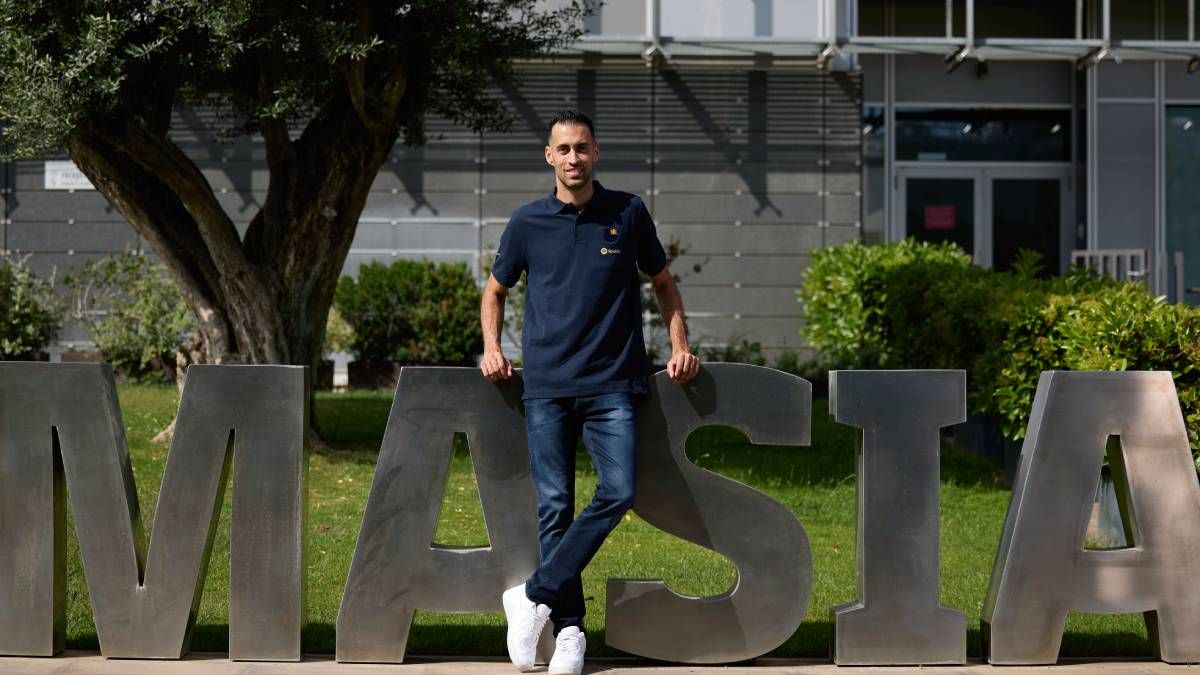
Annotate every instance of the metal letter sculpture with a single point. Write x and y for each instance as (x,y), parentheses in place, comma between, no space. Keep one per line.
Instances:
(396,567)
(1042,569)
(759,535)
(145,602)
(898,618)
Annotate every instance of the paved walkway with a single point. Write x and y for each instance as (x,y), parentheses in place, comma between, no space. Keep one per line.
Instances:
(91,663)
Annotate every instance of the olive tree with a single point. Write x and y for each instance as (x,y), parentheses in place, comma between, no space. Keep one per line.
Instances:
(329,85)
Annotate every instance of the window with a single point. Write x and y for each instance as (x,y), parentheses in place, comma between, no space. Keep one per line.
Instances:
(983,135)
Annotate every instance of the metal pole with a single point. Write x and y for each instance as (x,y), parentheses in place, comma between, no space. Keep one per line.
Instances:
(1191,20)
(831,18)
(653,46)
(652,22)
(1179,277)
(971,22)
(949,18)
(1107,25)
(1079,19)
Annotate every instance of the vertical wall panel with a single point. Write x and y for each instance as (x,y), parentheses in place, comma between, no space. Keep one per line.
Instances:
(1125,189)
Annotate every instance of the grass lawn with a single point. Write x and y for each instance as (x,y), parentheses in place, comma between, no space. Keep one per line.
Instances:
(816,483)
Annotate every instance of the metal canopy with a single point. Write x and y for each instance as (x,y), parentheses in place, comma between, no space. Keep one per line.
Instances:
(836,37)
(1156,50)
(671,47)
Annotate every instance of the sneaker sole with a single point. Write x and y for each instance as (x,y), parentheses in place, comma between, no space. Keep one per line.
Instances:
(507,599)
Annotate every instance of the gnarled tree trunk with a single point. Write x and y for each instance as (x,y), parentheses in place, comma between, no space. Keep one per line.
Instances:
(264,297)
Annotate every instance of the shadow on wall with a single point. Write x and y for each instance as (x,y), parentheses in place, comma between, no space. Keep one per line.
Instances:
(235,155)
(756,99)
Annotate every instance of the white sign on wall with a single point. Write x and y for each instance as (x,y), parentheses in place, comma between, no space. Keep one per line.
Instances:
(64,175)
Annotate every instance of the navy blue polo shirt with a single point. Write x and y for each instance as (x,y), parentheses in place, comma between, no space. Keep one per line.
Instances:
(583,309)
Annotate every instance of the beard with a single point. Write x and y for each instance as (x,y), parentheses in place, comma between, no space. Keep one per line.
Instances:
(584,177)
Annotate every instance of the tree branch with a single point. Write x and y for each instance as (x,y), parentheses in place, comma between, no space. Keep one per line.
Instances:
(158,217)
(374,99)
(267,226)
(274,129)
(253,308)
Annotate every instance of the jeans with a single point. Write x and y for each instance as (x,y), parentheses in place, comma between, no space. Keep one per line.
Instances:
(567,544)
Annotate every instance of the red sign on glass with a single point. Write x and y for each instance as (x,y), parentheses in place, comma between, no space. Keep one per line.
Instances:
(939,217)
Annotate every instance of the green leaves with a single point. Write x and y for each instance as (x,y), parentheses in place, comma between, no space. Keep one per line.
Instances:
(846,291)
(412,312)
(30,314)
(64,62)
(132,308)
(915,305)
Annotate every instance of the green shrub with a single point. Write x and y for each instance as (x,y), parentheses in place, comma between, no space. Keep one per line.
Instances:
(789,361)
(413,312)
(1125,328)
(916,305)
(844,294)
(30,314)
(735,351)
(339,336)
(133,309)
(814,368)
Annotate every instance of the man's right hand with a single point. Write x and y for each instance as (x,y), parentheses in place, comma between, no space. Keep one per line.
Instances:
(495,367)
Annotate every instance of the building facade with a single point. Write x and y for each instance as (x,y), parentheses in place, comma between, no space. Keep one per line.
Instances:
(759,131)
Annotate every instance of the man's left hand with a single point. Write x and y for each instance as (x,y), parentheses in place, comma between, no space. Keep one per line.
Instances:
(683,366)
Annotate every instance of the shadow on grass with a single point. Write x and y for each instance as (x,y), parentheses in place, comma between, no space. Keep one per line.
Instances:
(967,469)
(813,639)
(354,421)
(1125,643)
(830,460)
(353,424)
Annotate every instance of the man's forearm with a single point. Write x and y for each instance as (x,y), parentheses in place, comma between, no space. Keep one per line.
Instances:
(670,304)
(491,316)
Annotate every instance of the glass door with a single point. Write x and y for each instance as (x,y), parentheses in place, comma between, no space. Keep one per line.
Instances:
(940,204)
(1030,209)
(991,212)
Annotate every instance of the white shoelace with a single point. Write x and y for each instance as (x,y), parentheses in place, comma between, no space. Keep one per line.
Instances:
(531,628)
(568,644)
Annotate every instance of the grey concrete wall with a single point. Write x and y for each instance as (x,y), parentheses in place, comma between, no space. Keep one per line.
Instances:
(924,79)
(1125,167)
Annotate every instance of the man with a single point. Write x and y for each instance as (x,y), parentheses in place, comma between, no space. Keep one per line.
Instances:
(585,367)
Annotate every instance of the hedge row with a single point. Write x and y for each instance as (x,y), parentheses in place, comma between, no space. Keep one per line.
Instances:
(409,311)
(917,305)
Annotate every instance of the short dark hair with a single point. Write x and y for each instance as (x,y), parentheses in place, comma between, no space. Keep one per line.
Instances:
(572,117)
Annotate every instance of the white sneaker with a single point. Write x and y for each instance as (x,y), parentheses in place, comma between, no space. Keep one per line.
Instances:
(526,620)
(568,652)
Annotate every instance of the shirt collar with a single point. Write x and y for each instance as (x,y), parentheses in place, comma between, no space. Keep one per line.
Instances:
(557,206)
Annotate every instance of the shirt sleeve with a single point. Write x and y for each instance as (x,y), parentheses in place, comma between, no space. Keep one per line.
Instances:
(651,258)
(510,257)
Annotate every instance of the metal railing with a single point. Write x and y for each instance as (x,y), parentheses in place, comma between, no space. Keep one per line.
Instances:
(1161,273)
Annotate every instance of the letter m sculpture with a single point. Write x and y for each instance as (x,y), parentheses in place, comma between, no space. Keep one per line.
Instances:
(61,434)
